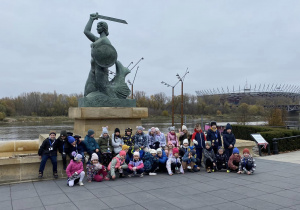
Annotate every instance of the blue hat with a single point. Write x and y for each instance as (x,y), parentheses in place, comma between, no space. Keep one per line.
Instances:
(71,139)
(228,126)
(90,132)
(191,147)
(236,150)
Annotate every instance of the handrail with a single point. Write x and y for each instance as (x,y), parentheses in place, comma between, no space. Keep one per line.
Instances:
(275,143)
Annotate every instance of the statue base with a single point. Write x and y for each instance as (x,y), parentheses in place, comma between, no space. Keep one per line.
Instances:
(95,118)
(97,99)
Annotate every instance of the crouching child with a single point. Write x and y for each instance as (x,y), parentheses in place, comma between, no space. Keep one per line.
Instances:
(75,171)
(234,160)
(162,158)
(247,164)
(95,170)
(189,161)
(117,165)
(221,160)
(174,164)
(136,166)
(209,157)
(151,162)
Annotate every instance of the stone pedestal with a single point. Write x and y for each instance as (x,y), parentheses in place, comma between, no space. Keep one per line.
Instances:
(95,118)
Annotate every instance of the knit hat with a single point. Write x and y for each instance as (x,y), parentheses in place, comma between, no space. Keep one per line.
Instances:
(124,147)
(78,157)
(213,123)
(208,143)
(236,151)
(153,151)
(69,133)
(184,127)
(117,130)
(52,132)
(246,150)
(136,147)
(153,129)
(157,129)
(90,132)
(136,154)
(71,139)
(140,128)
(63,133)
(228,126)
(175,150)
(159,150)
(122,153)
(191,147)
(172,128)
(220,148)
(105,130)
(128,130)
(185,141)
(77,137)
(94,156)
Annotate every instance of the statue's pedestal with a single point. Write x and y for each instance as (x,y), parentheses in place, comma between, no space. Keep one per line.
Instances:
(114,117)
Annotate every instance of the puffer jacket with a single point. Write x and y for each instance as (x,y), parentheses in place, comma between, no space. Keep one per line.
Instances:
(200,138)
(148,160)
(163,159)
(90,144)
(173,139)
(233,158)
(209,154)
(140,140)
(115,142)
(250,161)
(221,159)
(105,144)
(74,167)
(186,158)
(138,164)
(214,137)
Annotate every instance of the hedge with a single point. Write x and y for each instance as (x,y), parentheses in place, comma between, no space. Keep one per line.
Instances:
(244,131)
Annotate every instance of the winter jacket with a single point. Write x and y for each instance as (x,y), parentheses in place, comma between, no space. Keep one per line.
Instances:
(140,151)
(161,139)
(138,164)
(140,140)
(44,148)
(92,170)
(128,140)
(90,144)
(209,154)
(214,137)
(148,160)
(81,146)
(74,167)
(173,139)
(228,138)
(183,150)
(64,145)
(247,161)
(200,138)
(183,136)
(115,163)
(105,144)
(221,159)
(186,158)
(115,142)
(233,158)
(151,138)
(171,160)
(163,159)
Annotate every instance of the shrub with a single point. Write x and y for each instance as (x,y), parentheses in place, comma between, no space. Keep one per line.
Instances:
(2,116)
(165,113)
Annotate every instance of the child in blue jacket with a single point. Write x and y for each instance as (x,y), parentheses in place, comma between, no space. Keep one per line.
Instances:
(91,144)
(229,140)
(199,139)
(162,158)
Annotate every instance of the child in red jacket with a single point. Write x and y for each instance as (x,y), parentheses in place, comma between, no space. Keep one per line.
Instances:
(75,171)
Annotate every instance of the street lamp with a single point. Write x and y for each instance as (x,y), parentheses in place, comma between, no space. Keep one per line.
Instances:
(164,83)
(133,82)
(181,79)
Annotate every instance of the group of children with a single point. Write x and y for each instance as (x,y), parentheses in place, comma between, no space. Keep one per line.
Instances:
(135,155)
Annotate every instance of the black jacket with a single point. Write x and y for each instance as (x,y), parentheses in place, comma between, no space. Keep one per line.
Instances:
(214,138)
(44,148)
(228,139)
(64,145)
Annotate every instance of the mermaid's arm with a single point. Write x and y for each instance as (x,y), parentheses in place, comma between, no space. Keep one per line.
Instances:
(88,27)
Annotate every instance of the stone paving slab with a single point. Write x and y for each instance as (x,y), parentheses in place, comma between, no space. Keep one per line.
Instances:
(275,185)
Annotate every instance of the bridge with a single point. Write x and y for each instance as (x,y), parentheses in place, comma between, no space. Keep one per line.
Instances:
(289,108)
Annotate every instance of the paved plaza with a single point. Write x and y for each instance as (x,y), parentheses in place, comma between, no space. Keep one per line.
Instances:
(276,185)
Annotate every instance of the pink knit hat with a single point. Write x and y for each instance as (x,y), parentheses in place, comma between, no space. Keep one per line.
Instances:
(122,153)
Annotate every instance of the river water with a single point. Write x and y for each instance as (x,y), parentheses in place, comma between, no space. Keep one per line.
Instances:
(26,131)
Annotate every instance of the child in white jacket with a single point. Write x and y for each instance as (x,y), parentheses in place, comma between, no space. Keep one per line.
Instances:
(174,164)
(116,141)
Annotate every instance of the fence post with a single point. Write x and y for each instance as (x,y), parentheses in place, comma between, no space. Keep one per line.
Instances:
(275,146)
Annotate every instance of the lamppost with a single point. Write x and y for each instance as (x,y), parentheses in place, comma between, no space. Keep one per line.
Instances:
(133,82)
(164,83)
(181,80)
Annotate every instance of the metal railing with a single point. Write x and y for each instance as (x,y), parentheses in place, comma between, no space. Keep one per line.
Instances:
(275,142)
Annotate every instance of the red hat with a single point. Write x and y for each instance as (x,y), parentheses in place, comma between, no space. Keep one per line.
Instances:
(175,150)
(122,153)
(246,150)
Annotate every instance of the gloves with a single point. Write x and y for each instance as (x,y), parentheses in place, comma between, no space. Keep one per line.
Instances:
(76,173)
(195,142)
(134,168)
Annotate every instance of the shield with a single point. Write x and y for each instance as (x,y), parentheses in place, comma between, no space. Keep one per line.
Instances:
(105,55)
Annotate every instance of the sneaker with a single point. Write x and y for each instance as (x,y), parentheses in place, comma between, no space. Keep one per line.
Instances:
(143,175)
(40,175)
(121,175)
(196,170)
(152,174)
(189,167)
(55,175)
(80,184)
(106,178)
(129,175)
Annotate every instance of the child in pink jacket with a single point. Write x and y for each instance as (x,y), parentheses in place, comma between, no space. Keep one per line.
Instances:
(75,171)
(135,166)
(172,137)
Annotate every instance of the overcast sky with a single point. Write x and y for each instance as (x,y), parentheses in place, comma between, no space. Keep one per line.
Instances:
(223,43)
